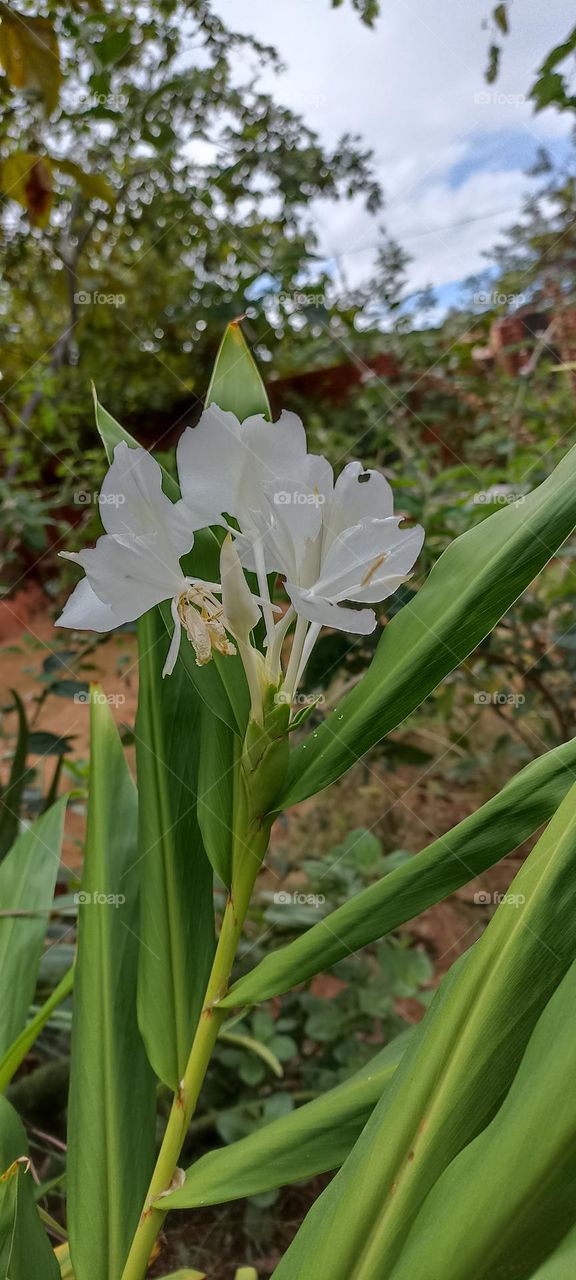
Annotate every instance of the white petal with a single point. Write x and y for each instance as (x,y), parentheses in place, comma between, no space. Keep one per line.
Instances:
(297,519)
(129,574)
(318,609)
(174,648)
(359,495)
(210,467)
(276,449)
(132,501)
(290,521)
(362,559)
(380,582)
(85,612)
(241,612)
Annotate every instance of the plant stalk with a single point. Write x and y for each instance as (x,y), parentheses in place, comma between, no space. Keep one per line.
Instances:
(185,1100)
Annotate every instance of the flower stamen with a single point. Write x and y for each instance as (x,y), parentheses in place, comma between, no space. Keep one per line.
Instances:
(373,569)
(202,617)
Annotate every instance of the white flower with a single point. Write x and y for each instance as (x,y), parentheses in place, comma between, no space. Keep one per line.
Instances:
(332,542)
(336,545)
(227,468)
(348,546)
(136,564)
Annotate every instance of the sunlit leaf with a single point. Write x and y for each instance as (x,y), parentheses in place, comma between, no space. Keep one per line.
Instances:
(476,843)
(30,55)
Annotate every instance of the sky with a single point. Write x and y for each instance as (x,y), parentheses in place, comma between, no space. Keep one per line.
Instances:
(449,150)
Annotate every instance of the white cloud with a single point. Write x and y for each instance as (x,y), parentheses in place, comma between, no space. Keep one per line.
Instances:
(415,91)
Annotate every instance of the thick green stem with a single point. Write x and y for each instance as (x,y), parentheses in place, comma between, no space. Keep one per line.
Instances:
(184,1103)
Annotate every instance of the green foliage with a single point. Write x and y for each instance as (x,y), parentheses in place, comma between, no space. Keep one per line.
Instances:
(176,948)
(409,888)
(476,1067)
(27,880)
(299,1144)
(476,580)
(136,239)
(451,1081)
(527,1135)
(24,1247)
(111,1106)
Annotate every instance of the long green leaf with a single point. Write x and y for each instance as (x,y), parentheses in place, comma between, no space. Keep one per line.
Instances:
(453,1076)
(16,1053)
(221,684)
(27,880)
(25,1251)
(561,1265)
(111,1112)
(11,795)
(216,793)
(176,913)
(470,587)
(310,1140)
(497,828)
(112,433)
(236,385)
(507,1200)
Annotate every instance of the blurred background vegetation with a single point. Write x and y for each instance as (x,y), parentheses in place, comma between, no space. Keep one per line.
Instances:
(146,200)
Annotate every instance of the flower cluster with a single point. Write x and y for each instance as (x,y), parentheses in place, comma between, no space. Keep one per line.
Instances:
(283,513)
